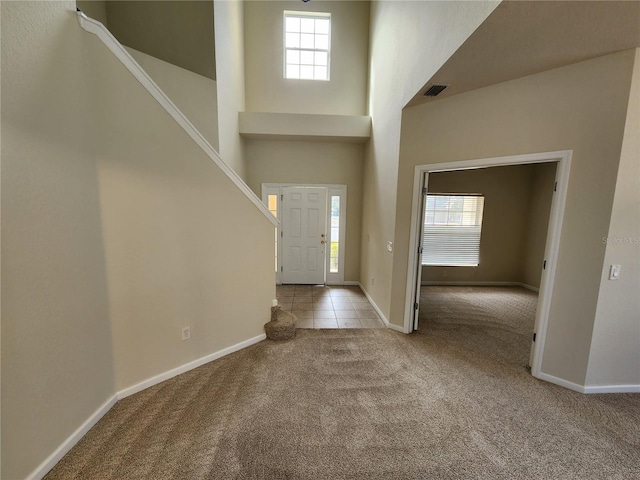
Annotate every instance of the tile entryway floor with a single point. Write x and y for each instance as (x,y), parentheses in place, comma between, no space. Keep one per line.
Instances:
(319,306)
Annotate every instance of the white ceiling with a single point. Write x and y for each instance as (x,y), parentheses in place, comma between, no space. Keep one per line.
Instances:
(525,37)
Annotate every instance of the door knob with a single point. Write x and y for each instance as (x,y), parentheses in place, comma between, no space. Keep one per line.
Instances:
(322,242)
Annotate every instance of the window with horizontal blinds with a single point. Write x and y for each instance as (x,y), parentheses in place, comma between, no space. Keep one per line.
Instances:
(452,230)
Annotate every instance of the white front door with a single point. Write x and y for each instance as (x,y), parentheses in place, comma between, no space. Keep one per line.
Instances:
(304,218)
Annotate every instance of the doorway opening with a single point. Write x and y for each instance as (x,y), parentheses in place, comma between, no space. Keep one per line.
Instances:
(550,248)
(310,236)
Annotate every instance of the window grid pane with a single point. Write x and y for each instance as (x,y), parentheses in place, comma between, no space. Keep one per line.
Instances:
(452,228)
(306,57)
(293,40)
(307,45)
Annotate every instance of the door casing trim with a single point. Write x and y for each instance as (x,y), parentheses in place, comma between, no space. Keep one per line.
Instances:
(420,180)
(332,190)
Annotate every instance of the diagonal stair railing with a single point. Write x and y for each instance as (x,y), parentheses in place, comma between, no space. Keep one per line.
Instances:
(93,26)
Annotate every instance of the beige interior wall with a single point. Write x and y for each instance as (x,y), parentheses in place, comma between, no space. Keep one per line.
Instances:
(506,191)
(194,95)
(57,366)
(229,39)
(183,244)
(176,31)
(615,347)
(266,88)
(550,111)
(116,232)
(96,9)
(544,177)
(270,161)
(409,41)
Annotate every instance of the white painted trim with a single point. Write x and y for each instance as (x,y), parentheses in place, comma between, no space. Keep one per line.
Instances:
(337,191)
(332,190)
(415,237)
(96,28)
(528,287)
(188,366)
(72,440)
(76,436)
(479,284)
(345,283)
(543,157)
(589,389)
(612,389)
(395,327)
(378,311)
(266,191)
(561,381)
(553,233)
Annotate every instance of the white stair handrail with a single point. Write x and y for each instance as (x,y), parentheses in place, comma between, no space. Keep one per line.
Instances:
(98,29)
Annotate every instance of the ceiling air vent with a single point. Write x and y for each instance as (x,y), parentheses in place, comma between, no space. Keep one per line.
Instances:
(434,90)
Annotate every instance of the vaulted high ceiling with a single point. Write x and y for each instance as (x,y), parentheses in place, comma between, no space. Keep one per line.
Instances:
(525,37)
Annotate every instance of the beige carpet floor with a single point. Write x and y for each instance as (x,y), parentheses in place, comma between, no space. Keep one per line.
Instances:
(452,401)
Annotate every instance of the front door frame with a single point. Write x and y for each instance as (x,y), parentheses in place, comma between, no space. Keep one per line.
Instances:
(332,191)
(420,180)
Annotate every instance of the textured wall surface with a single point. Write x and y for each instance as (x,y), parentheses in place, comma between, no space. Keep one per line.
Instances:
(550,111)
(268,90)
(57,365)
(615,347)
(117,231)
(314,162)
(409,41)
(196,96)
(178,32)
(229,35)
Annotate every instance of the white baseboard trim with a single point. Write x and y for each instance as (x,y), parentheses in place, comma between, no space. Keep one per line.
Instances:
(480,284)
(76,436)
(589,389)
(395,327)
(612,389)
(561,381)
(71,441)
(188,366)
(349,283)
(379,312)
(528,287)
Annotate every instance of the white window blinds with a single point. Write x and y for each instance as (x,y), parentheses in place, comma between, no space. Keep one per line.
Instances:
(452,228)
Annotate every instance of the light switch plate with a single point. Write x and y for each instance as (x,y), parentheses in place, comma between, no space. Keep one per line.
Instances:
(614,272)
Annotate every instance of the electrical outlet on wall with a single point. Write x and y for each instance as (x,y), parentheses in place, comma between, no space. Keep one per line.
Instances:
(186,333)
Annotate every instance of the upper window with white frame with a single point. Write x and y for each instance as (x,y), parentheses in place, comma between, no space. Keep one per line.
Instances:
(452,228)
(307,40)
